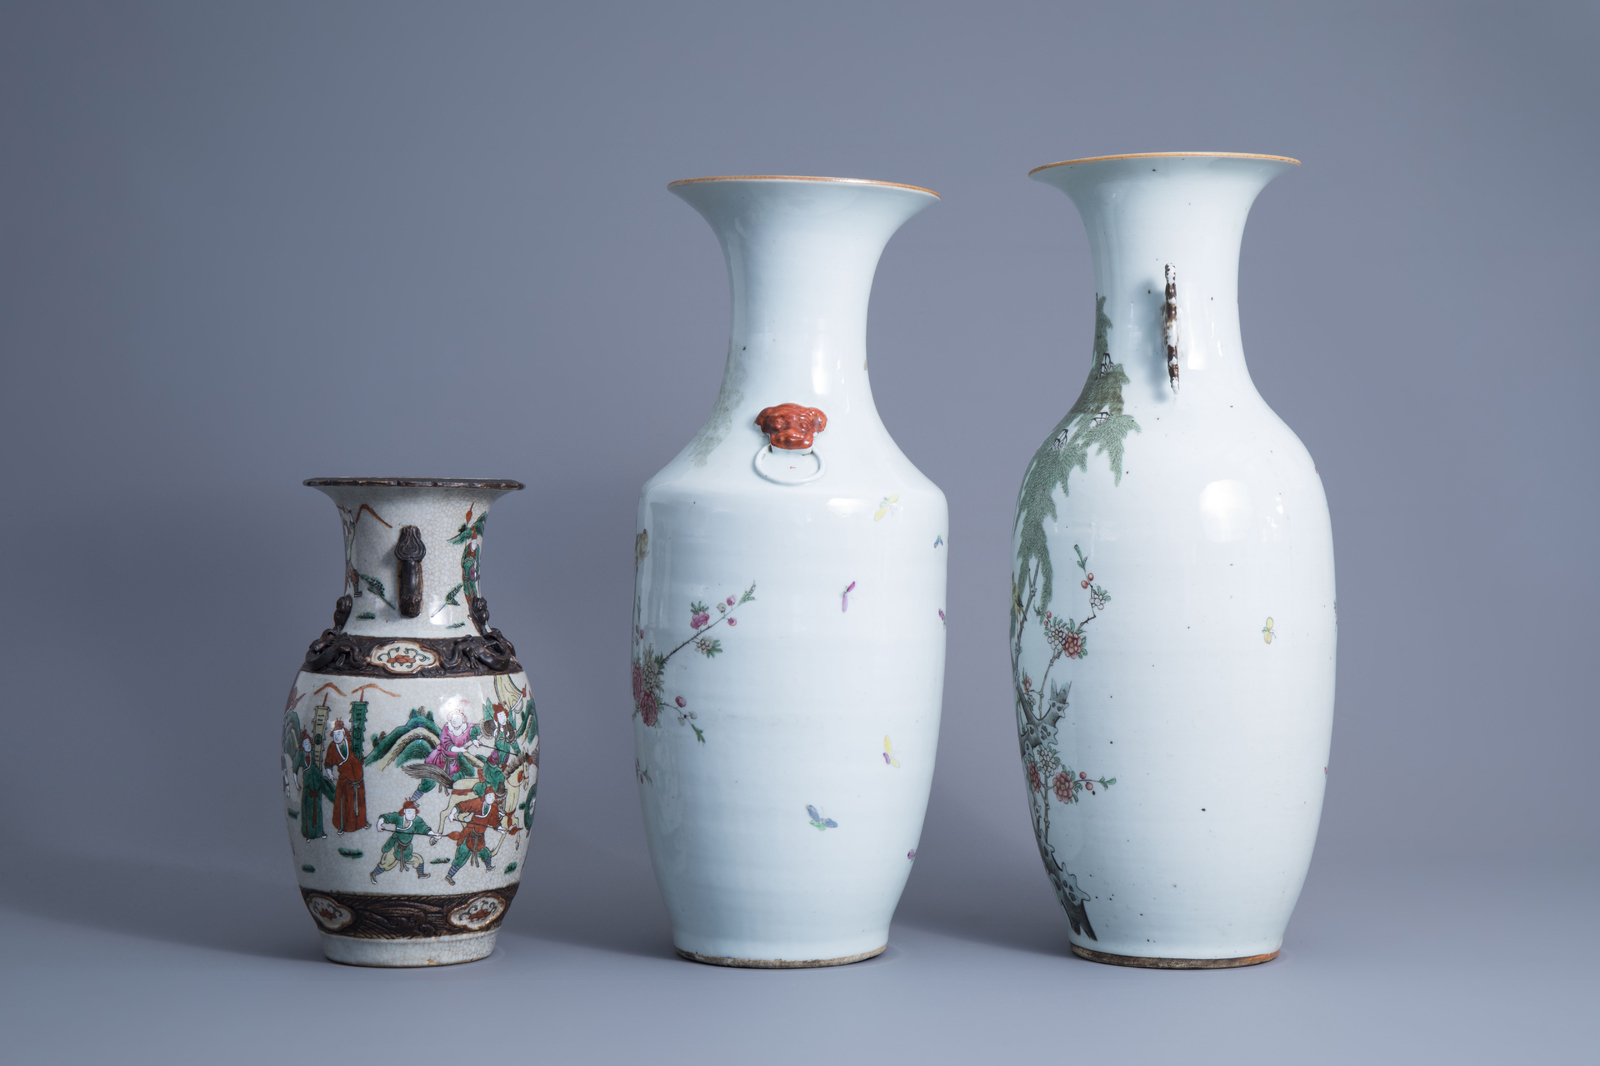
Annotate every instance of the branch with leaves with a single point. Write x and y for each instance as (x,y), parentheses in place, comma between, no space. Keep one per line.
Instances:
(375,587)
(649,666)
(1040,708)
(1095,422)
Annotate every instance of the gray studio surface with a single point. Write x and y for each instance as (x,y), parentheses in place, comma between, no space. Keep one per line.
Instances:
(246,246)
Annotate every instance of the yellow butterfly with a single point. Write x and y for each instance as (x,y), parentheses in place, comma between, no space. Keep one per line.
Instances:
(1266,631)
(888,754)
(883,507)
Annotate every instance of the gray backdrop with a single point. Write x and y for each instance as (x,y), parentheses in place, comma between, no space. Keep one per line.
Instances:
(245,245)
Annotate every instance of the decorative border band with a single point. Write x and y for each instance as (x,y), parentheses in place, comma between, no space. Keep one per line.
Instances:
(345,654)
(407,917)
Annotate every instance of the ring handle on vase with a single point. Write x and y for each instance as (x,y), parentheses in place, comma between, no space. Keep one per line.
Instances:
(788,457)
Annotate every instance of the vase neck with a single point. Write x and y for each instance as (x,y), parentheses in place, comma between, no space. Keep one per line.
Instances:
(1155,219)
(801,256)
(411,558)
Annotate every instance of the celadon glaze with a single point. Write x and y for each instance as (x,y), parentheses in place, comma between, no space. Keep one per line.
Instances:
(788,629)
(1173,622)
(410,750)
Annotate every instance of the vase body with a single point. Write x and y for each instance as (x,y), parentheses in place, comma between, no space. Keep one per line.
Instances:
(788,630)
(1173,623)
(410,740)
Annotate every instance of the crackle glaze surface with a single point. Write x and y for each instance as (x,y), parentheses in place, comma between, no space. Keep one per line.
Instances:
(1173,622)
(410,749)
(788,629)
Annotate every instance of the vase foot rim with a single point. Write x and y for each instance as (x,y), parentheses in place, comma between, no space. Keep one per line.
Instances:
(408,952)
(779,964)
(1172,964)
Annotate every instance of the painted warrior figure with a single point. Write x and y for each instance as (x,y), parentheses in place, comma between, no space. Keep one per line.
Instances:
(521,767)
(444,764)
(521,784)
(496,735)
(402,825)
(313,786)
(350,789)
(476,815)
(471,535)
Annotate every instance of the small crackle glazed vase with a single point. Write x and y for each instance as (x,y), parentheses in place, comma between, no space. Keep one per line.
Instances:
(410,740)
(1172,609)
(788,620)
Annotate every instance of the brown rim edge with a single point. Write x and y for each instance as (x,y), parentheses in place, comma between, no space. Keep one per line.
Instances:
(1167,155)
(804,177)
(413,483)
(1172,964)
(780,964)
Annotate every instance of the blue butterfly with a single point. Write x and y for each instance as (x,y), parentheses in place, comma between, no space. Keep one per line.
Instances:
(819,821)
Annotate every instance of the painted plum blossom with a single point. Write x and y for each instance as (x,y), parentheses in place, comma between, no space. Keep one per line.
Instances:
(1039,716)
(649,666)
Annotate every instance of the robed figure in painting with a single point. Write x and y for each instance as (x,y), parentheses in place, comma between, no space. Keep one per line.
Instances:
(313,786)
(343,763)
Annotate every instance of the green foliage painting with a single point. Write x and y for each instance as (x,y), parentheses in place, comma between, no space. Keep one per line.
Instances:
(423,742)
(375,587)
(1095,422)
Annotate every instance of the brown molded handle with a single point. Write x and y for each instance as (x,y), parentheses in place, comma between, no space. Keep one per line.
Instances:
(1169,326)
(341,612)
(791,426)
(408,551)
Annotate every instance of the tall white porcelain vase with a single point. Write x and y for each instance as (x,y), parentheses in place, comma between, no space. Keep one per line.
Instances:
(788,622)
(1172,622)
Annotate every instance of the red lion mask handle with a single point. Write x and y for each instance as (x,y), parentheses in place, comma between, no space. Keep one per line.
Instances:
(791,426)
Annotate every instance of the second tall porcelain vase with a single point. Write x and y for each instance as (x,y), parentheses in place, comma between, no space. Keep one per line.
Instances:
(1172,615)
(788,624)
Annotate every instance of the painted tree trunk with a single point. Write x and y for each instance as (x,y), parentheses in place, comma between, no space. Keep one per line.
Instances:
(1173,622)
(788,630)
(410,740)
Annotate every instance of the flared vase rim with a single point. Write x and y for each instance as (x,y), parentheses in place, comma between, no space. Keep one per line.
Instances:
(413,483)
(804,177)
(1166,155)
